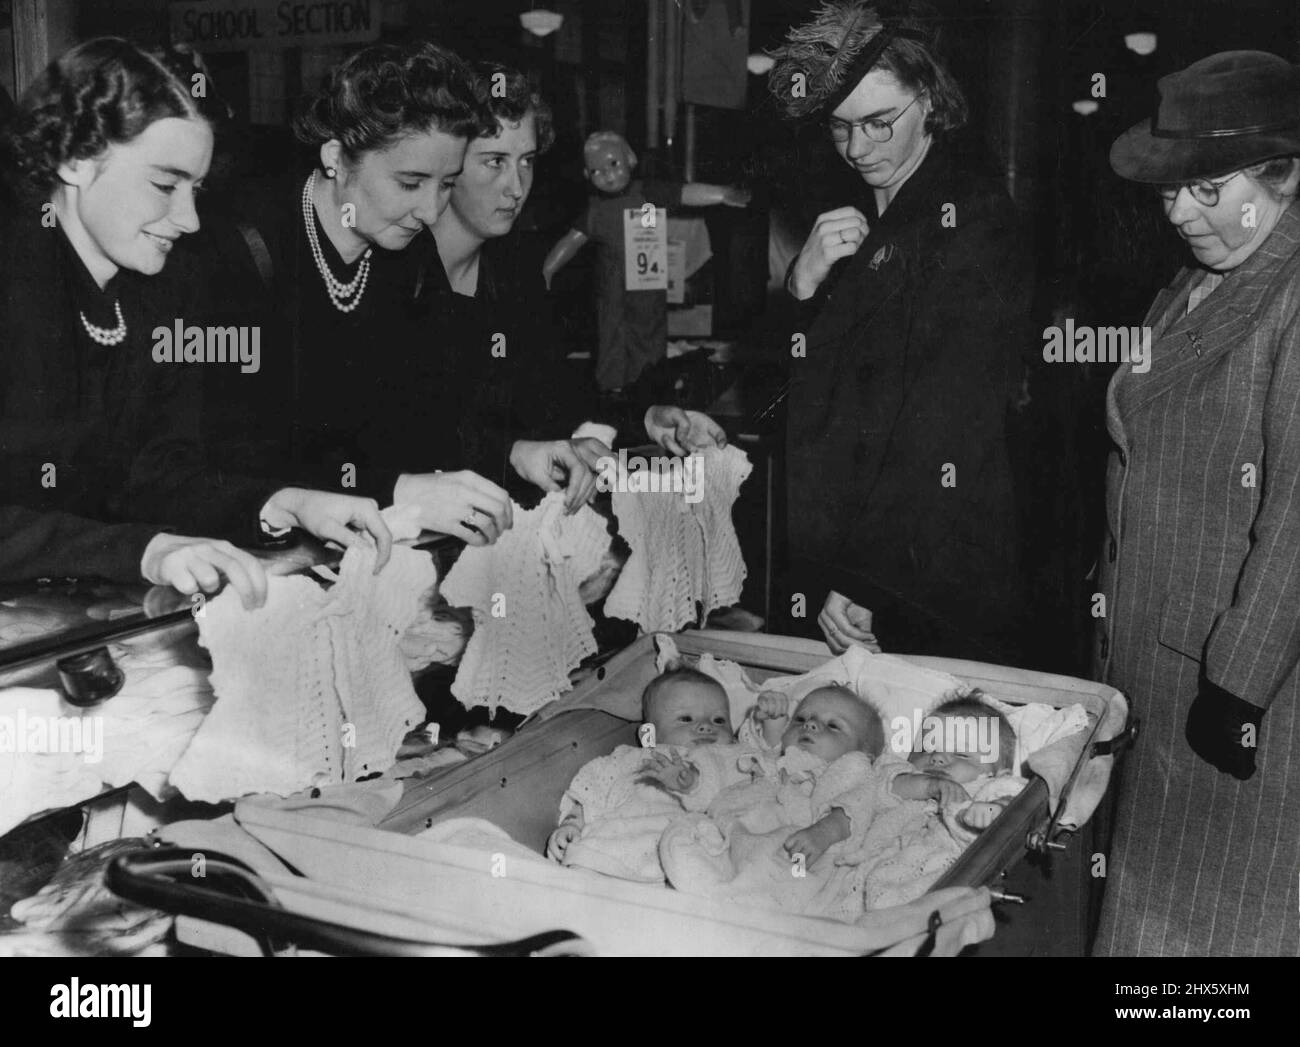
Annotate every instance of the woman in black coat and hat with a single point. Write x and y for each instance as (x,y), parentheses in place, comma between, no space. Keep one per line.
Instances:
(917,295)
(1201,569)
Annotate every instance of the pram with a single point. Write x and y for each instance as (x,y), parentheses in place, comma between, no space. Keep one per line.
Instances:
(388,881)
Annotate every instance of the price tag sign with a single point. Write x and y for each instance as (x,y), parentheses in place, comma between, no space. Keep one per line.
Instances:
(645,246)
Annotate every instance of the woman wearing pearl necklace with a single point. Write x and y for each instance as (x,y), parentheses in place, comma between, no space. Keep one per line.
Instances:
(104,158)
(333,273)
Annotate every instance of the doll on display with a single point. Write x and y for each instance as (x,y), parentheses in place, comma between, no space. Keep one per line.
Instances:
(627,220)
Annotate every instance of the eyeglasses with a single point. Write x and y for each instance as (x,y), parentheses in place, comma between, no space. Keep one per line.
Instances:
(1204,192)
(875,129)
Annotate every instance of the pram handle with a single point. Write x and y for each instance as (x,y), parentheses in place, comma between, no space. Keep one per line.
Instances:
(151,877)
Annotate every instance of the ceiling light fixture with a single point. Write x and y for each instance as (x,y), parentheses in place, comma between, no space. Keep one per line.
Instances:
(1141,43)
(541,22)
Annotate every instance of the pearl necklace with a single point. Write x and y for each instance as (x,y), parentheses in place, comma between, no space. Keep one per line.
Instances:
(106,335)
(337,290)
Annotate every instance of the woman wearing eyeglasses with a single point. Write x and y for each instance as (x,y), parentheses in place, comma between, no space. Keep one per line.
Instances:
(917,294)
(1201,570)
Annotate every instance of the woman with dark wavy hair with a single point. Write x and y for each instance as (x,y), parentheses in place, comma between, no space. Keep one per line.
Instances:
(103,161)
(341,269)
(917,294)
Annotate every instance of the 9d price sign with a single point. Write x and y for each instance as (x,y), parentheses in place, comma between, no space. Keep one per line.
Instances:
(645,246)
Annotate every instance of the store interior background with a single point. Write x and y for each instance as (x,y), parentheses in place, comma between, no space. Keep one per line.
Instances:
(1103,248)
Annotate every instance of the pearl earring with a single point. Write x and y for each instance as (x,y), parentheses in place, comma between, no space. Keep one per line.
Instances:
(330,172)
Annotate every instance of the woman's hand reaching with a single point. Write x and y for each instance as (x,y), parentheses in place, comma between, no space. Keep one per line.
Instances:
(461,504)
(680,431)
(845,624)
(555,465)
(331,518)
(191,565)
(836,234)
(591,451)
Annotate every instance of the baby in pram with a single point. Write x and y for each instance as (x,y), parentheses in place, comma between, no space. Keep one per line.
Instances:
(956,781)
(617,806)
(815,774)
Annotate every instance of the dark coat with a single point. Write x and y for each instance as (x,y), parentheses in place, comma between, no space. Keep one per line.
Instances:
(1201,575)
(490,370)
(51,544)
(120,430)
(913,360)
(408,381)
(323,370)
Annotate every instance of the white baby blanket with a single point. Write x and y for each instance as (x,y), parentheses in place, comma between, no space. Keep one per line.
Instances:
(893,686)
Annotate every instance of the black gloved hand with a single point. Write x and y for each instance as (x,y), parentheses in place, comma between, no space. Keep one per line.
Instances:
(1217,728)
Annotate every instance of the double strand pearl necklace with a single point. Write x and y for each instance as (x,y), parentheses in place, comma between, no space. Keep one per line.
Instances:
(338,291)
(106,335)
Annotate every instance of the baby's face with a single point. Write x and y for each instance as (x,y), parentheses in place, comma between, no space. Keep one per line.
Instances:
(959,765)
(828,724)
(691,713)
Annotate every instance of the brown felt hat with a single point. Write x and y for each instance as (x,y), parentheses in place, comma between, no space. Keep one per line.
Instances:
(1218,115)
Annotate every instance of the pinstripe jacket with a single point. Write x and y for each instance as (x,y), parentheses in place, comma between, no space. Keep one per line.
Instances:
(1201,575)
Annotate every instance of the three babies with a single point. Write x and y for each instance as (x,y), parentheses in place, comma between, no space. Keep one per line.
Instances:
(781,813)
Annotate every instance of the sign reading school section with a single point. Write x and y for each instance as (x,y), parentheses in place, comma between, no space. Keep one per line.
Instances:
(239,25)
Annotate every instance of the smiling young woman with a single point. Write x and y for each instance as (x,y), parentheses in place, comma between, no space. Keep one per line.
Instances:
(103,160)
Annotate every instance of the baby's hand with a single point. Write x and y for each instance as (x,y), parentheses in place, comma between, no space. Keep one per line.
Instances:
(560,840)
(980,815)
(928,787)
(671,771)
(815,840)
(772,705)
(807,843)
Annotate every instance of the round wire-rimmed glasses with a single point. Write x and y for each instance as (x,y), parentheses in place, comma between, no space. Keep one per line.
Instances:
(874,128)
(1204,191)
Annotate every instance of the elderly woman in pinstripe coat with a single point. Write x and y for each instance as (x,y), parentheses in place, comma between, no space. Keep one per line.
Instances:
(1201,571)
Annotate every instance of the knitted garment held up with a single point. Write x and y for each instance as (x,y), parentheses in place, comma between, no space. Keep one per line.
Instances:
(312,688)
(686,557)
(530,627)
